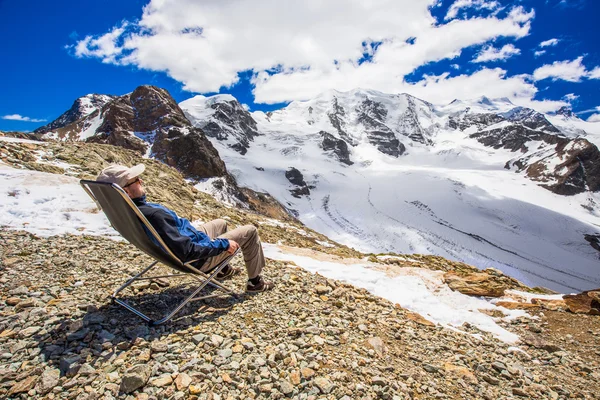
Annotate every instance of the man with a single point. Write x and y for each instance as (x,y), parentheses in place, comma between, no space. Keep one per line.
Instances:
(209,243)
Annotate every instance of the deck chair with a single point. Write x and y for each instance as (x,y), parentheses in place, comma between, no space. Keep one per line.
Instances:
(127,219)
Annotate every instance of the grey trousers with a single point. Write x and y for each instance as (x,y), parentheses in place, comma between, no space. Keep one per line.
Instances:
(246,236)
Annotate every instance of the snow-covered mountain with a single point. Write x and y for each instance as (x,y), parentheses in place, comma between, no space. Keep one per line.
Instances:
(390,172)
(149,121)
(82,107)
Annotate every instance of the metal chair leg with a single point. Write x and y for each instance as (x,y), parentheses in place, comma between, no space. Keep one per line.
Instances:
(208,279)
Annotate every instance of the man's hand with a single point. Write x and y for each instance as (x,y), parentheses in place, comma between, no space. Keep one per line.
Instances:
(233,246)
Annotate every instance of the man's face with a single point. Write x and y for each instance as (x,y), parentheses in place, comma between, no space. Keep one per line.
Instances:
(134,188)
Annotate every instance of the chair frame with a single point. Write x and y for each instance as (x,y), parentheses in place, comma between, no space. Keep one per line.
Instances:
(203,278)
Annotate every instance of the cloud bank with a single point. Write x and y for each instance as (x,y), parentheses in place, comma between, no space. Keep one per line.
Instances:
(17,117)
(570,71)
(296,50)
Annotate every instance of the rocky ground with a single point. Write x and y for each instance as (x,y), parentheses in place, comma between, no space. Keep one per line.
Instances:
(310,338)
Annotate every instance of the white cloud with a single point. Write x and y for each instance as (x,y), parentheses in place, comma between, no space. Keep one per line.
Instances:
(206,44)
(594,74)
(17,117)
(477,4)
(589,110)
(492,83)
(594,118)
(490,53)
(570,97)
(104,46)
(571,71)
(572,3)
(390,64)
(549,42)
(540,105)
(539,53)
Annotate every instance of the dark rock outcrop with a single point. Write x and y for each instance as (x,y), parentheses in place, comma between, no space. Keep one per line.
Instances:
(192,153)
(296,178)
(232,120)
(530,118)
(514,137)
(466,120)
(371,116)
(409,125)
(593,240)
(572,167)
(336,117)
(336,146)
(523,125)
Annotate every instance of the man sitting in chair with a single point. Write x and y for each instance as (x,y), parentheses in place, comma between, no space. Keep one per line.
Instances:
(209,243)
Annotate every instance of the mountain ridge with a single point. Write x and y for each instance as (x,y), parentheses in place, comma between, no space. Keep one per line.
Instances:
(398,157)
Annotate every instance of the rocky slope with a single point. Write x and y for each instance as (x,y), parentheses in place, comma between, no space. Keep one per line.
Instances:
(310,338)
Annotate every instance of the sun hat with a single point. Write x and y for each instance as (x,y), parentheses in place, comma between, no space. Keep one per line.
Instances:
(120,174)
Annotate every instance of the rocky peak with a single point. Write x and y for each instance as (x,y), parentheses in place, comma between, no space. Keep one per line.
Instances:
(223,118)
(141,112)
(565,111)
(81,107)
(530,119)
(147,120)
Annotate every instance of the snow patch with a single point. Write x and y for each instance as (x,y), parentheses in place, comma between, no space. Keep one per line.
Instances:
(416,289)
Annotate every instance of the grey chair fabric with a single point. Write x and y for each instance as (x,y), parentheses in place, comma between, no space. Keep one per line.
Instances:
(127,219)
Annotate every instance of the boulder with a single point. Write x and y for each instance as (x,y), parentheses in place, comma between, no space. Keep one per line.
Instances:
(135,378)
(587,302)
(475,284)
(23,386)
(377,344)
(48,380)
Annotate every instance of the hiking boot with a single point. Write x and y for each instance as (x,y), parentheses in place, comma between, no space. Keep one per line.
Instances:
(261,286)
(227,272)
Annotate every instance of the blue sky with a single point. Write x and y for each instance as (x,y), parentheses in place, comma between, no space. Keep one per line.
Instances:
(267,54)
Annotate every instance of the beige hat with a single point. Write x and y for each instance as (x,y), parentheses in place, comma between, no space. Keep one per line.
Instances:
(120,174)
